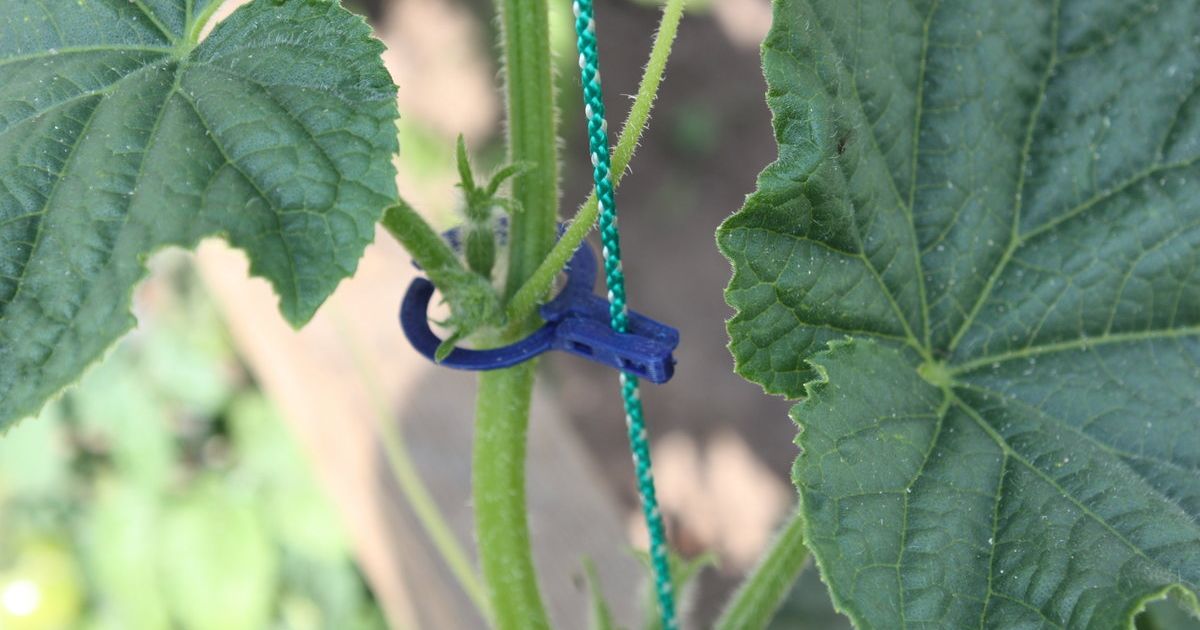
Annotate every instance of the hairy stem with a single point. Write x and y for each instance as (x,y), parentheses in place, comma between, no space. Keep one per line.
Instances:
(757,599)
(192,37)
(425,245)
(502,407)
(498,465)
(532,121)
(524,300)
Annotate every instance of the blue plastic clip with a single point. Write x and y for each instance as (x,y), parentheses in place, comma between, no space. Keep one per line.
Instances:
(577,321)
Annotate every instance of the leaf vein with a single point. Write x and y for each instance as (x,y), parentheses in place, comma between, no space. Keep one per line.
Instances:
(79,50)
(1050,481)
(1015,237)
(994,540)
(1086,435)
(37,238)
(70,323)
(284,241)
(153,17)
(926,458)
(1082,343)
(102,92)
(1095,200)
(918,115)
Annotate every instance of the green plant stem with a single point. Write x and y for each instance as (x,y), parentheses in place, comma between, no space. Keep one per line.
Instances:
(426,246)
(757,599)
(502,530)
(502,407)
(404,472)
(193,36)
(601,616)
(532,125)
(526,299)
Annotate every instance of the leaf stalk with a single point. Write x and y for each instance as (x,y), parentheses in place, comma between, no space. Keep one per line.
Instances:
(757,599)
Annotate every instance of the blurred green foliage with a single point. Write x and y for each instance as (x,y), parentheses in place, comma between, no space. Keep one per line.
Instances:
(164,492)
(695,129)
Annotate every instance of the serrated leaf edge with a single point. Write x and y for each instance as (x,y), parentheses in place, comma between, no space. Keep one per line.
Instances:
(812,389)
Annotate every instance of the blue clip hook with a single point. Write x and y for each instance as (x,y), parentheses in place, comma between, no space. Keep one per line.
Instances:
(577,321)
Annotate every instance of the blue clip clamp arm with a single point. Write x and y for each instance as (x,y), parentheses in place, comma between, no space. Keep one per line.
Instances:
(415,322)
(577,321)
(584,328)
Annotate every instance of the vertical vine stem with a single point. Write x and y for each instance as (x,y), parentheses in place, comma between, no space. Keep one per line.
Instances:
(526,299)
(532,125)
(502,406)
(498,476)
(757,599)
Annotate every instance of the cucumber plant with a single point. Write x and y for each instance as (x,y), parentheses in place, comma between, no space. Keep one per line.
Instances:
(972,263)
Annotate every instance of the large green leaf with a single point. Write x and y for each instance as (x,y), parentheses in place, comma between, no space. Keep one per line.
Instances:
(992,211)
(119,135)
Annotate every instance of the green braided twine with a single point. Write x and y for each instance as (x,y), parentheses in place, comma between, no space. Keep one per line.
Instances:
(589,65)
